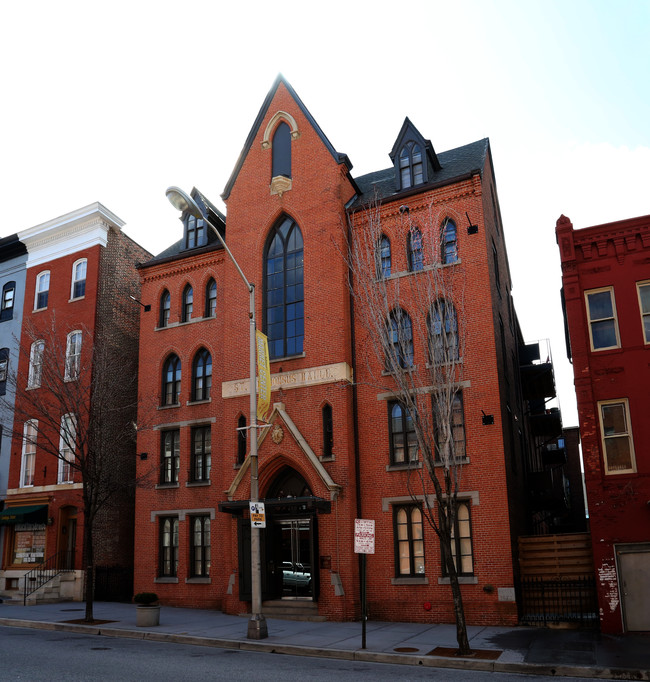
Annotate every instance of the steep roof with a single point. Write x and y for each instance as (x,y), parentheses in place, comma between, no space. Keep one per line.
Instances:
(339,158)
(455,163)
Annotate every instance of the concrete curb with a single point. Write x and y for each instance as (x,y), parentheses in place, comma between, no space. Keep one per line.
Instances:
(342,654)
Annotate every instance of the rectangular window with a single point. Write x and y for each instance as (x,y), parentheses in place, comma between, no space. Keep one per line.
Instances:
(449,428)
(29,454)
(200,546)
(36,364)
(201,454)
(601,312)
(7,303)
(168,547)
(170,459)
(67,442)
(618,446)
(409,540)
(643,289)
(403,440)
(73,356)
(461,543)
(42,290)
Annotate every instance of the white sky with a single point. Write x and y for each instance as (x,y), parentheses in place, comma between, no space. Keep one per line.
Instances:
(115,101)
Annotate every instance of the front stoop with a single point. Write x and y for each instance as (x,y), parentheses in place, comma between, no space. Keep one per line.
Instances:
(292,609)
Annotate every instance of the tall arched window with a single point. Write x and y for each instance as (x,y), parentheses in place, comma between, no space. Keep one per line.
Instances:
(449,249)
(42,290)
(171,381)
(241,439)
(36,364)
(281,151)
(284,297)
(78,288)
(383,257)
(400,340)
(211,298)
(414,248)
(201,375)
(188,303)
(73,356)
(410,165)
(165,308)
(443,332)
(328,431)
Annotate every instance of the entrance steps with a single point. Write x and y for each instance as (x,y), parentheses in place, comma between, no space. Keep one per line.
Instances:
(49,593)
(292,609)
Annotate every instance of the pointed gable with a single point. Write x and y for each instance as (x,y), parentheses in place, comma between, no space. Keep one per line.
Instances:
(294,133)
(414,158)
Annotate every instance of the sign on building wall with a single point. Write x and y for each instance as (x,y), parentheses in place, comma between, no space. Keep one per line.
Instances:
(364,536)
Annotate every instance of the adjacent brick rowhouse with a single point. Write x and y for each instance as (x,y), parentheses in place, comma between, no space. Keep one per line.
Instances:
(606,271)
(108,318)
(352,478)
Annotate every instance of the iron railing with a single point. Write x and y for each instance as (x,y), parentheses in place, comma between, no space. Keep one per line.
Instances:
(560,600)
(61,562)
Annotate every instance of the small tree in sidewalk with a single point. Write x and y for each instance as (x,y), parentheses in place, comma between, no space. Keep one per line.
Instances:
(391,312)
(80,392)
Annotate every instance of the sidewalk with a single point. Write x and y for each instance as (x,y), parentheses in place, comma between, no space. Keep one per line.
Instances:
(577,653)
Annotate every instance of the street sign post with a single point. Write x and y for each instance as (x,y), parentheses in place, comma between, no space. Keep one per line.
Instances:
(364,543)
(258,515)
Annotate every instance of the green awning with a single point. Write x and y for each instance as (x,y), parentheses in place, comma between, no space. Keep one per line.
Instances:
(35,513)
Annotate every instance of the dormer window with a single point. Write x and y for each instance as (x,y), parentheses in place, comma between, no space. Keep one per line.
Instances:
(195,232)
(411,167)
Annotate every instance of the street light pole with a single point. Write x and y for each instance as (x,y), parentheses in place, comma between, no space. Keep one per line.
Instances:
(257,628)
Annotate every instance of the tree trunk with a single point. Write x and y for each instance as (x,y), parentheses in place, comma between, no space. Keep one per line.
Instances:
(464,648)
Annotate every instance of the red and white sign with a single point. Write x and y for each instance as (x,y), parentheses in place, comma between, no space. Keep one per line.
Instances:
(364,536)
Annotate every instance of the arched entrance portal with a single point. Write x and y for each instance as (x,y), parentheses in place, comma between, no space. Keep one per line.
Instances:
(288,544)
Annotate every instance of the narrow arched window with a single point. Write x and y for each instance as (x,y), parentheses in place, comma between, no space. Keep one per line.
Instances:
(171,381)
(165,308)
(78,288)
(281,151)
(414,248)
(73,356)
(36,364)
(328,431)
(443,333)
(383,257)
(211,298)
(42,290)
(399,351)
(201,375)
(449,249)
(284,312)
(411,167)
(403,440)
(241,439)
(188,303)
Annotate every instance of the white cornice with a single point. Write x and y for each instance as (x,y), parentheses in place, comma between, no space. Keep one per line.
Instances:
(81,229)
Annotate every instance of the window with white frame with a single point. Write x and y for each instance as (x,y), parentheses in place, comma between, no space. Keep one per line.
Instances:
(78,289)
(643,289)
(67,444)
(73,356)
(8,299)
(616,433)
(28,461)
(36,364)
(601,313)
(42,290)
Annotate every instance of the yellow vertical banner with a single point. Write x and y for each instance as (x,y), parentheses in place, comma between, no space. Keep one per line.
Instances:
(263,376)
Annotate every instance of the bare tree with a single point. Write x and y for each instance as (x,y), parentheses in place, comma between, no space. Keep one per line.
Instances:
(392,311)
(82,390)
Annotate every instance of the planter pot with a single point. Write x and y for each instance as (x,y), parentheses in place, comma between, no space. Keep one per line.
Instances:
(147,616)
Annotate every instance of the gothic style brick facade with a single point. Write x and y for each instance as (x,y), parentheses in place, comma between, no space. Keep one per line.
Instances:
(328,456)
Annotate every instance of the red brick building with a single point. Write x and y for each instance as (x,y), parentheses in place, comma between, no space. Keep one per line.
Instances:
(335,447)
(80,274)
(606,287)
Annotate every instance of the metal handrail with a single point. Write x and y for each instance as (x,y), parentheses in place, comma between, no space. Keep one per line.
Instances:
(61,562)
